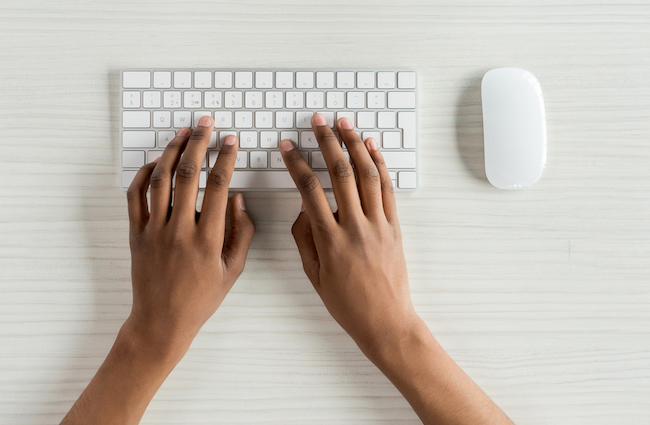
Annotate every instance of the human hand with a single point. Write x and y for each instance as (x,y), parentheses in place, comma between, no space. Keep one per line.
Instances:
(354,258)
(181,268)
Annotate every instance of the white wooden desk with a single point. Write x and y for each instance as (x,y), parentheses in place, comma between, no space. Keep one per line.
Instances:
(542,296)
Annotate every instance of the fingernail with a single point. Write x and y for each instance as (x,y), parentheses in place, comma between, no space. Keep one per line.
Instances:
(302,207)
(320,120)
(205,121)
(230,140)
(183,132)
(241,203)
(372,144)
(155,161)
(286,145)
(346,124)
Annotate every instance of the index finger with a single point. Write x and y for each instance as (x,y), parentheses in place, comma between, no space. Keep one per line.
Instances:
(313,195)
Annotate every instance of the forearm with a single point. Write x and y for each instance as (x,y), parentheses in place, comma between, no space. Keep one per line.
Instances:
(435,386)
(125,383)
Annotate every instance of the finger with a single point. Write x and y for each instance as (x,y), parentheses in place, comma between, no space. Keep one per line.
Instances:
(302,234)
(240,237)
(309,186)
(387,190)
(136,196)
(215,200)
(161,178)
(344,185)
(189,170)
(367,174)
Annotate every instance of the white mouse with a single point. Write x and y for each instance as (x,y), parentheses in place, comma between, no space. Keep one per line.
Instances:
(514,128)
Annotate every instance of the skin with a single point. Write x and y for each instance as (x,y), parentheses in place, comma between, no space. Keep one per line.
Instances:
(184,264)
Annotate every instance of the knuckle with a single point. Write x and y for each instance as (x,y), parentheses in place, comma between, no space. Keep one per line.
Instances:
(199,134)
(218,179)
(328,138)
(308,183)
(186,171)
(131,193)
(159,178)
(371,174)
(387,185)
(341,169)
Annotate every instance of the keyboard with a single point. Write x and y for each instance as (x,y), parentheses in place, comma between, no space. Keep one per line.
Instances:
(263,107)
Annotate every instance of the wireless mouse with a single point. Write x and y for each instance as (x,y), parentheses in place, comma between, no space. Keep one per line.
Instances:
(514,128)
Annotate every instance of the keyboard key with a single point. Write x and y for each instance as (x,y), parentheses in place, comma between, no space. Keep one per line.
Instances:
(243,119)
(317,161)
(325,80)
(212,143)
(315,99)
(374,134)
(259,159)
(223,80)
(151,99)
(127,177)
(203,179)
(346,114)
(376,99)
(386,119)
(132,159)
(283,80)
(182,119)
(335,99)
(131,99)
(401,100)
(136,79)
(164,137)
(385,80)
(365,119)
(233,99)
(152,155)
(308,140)
(162,119)
(202,80)
(407,123)
(192,99)
(263,119)
(242,159)
(295,99)
(329,116)
(399,159)
(182,79)
(136,119)
(162,80)
(274,99)
(212,99)
(224,134)
(304,80)
(271,179)
(276,160)
(253,99)
(172,99)
(406,80)
(248,139)
(264,79)
(290,135)
(303,119)
(284,119)
(223,119)
(356,100)
(269,139)
(198,115)
(138,139)
(406,180)
(243,80)
(345,80)
(365,80)
(392,140)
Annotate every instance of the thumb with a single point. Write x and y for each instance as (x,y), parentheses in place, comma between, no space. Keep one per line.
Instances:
(302,233)
(240,237)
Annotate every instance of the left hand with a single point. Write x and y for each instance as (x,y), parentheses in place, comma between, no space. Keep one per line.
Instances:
(181,268)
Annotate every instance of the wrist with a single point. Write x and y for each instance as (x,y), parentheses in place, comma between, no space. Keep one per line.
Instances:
(141,342)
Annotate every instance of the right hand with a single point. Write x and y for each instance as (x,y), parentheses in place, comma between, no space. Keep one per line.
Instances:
(354,258)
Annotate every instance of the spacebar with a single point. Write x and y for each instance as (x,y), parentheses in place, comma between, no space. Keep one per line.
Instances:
(271,180)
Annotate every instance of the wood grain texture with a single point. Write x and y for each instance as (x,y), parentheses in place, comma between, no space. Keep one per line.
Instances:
(542,296)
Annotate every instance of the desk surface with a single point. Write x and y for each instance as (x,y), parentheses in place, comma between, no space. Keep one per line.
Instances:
(542,295)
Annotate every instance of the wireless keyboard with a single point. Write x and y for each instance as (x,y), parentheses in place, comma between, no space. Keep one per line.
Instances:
(263,107)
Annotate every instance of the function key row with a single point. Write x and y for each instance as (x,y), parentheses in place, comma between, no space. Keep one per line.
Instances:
(268,79)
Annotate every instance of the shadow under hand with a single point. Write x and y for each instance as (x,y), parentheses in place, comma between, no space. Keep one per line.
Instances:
(469,128)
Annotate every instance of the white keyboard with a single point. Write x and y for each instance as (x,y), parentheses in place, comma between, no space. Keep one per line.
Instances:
(263,107)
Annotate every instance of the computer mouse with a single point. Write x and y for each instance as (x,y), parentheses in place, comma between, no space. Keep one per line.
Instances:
(514,128)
